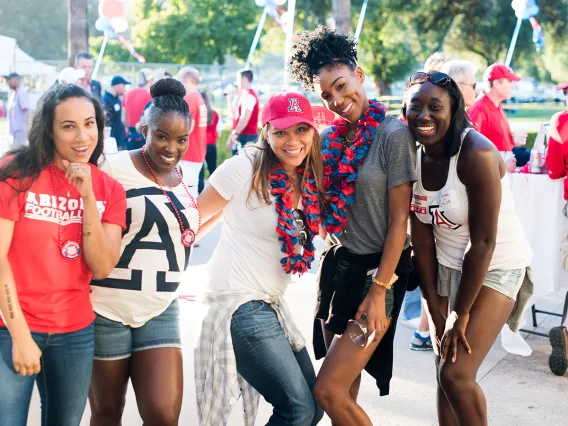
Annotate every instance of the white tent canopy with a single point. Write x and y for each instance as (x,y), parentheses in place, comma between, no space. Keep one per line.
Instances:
(14,59)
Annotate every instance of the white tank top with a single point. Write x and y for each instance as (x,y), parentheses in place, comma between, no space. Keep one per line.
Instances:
(447,210)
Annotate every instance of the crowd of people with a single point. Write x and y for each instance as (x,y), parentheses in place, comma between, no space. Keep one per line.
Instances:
(99,308)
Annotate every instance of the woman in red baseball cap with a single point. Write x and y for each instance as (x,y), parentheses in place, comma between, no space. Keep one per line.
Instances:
(369,168)
(270,198)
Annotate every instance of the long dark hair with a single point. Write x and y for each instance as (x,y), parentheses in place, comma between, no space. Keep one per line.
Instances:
(459,122)
(207,101)
(27,162)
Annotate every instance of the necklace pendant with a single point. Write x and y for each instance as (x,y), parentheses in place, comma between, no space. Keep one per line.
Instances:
(188,237)
(71,250)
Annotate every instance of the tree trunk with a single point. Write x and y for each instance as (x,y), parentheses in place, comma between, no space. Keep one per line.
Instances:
(383,87)
(342,15)
(77,29)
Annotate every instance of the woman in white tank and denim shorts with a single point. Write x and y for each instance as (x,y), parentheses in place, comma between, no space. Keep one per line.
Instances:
(470,247)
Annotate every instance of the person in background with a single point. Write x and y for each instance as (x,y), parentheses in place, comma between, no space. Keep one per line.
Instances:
(245,113)
(19,115)
(85,61)
(557,163)
(435,62)
(488,117)
(61,220)
(214,130)
(134,102)
(113,106)
(463,73)
(195,156)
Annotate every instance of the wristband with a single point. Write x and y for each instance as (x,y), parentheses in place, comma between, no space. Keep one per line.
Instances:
(388,285)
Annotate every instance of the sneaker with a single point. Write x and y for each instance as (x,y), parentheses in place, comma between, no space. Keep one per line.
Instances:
(558,361)
(419,343)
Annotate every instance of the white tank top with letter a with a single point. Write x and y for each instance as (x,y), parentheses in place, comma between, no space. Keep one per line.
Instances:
(448,211)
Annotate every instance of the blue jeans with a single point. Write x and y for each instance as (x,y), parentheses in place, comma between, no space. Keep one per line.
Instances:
(412,305)
(267,362)
(63,382)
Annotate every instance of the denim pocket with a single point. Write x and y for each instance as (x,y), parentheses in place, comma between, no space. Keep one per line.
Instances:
(249,308)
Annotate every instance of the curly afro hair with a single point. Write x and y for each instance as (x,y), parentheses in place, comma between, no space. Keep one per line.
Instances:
(317,49)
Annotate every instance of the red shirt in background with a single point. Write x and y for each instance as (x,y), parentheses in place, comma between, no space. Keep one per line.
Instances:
(198,137)
(134,102)
(54,292)
(212,129)
(557,156)
(491,122)
(252,126)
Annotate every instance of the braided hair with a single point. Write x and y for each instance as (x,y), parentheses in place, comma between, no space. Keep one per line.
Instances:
(317,49)
(167,95)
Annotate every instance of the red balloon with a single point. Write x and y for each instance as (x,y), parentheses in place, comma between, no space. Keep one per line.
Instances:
(111,8)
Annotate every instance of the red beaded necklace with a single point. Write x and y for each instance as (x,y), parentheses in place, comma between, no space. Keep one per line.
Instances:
(70,249)
(187,235)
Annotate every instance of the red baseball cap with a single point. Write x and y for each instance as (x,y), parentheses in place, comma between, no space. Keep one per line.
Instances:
(499,71)
(562,86)
(287,109)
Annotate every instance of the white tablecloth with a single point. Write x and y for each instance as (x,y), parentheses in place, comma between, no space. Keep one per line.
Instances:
(539,202)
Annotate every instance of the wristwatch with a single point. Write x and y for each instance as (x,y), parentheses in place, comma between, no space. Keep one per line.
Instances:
(388,285)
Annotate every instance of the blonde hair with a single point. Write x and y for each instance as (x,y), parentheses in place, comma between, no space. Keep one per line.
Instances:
(265,159)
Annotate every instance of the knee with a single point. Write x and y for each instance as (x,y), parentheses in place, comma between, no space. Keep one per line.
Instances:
(163,415)
(326,393)
(453,379)
(106,412)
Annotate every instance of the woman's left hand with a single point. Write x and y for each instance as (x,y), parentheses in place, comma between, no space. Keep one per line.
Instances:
(79,175)
(374,308)
(454,334)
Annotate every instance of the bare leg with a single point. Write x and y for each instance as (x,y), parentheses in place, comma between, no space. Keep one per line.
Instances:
(107,393)
(458,380)
(423,326)
(342,367)
(157,377)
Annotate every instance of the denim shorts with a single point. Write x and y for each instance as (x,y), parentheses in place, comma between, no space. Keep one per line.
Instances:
(114,340)
(505,281)
(389,296)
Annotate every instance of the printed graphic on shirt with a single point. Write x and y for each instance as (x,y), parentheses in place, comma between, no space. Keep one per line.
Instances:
(151,260)
(55,209)
(439,219)
(202,116)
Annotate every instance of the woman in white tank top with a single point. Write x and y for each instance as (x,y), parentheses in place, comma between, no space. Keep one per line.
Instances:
(470,247)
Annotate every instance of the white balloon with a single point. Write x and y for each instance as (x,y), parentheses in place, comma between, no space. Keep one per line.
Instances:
(260,3)
(119,25)
(102,24)
(264,3)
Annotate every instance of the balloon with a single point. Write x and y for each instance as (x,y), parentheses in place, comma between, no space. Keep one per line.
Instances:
(264,3)
(102,24)
(119,25)
(111,8)
(524,9)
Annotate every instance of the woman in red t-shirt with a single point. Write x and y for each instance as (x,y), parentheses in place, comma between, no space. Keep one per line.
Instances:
(61,220)
(557,156)
(214,129)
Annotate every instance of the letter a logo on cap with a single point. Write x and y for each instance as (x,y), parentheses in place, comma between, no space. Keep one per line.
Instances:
(294,105)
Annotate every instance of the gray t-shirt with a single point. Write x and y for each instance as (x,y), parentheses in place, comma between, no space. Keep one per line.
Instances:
(390,162)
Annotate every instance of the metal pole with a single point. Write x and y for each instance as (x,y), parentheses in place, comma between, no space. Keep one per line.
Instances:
(100,57)
(513,42)
(289,35)
(257,36)
(361,19)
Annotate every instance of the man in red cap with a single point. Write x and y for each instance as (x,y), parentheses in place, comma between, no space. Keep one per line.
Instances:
(487,114)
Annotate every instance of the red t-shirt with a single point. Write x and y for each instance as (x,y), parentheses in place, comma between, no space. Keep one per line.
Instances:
(212,130)
(198,137)
(52,290)
(491,122)
(134,102)
(557,156)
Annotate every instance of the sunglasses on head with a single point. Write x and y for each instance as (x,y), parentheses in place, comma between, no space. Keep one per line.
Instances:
(437,78)
(300,222)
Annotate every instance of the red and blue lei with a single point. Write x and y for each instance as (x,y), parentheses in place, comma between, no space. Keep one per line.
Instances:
(287,233)
(340,165)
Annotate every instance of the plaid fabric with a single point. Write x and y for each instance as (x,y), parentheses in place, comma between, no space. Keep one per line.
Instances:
(218,384)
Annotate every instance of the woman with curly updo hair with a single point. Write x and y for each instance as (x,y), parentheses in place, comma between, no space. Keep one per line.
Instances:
(369,169)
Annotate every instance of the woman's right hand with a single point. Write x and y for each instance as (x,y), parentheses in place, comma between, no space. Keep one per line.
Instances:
(439,328)
(26,356)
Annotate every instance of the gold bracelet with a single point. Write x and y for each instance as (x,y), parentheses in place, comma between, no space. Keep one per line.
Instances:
(388,285)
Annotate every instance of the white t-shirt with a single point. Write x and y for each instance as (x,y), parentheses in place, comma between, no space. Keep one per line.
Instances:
(247,101)
(152,257)
(247,257)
